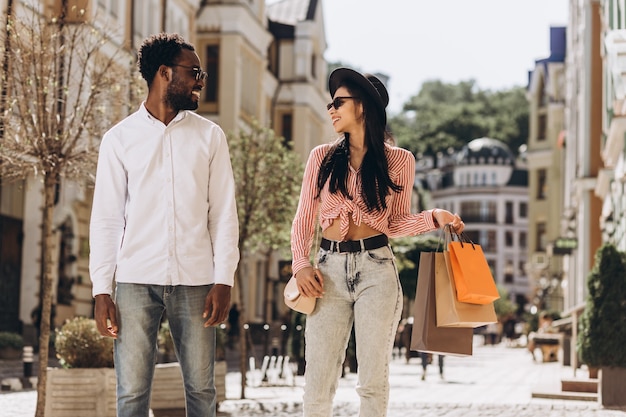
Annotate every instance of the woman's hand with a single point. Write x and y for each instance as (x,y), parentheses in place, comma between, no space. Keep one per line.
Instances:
(444,217)
(310,282)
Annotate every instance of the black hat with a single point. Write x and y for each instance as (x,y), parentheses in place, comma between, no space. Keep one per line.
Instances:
(370,84)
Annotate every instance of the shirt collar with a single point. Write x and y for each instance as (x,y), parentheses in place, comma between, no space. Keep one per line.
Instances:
(142,109)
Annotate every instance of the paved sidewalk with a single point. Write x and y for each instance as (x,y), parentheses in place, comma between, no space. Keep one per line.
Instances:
(495,381)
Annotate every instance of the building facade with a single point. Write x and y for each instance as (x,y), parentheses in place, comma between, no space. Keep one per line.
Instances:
(583,140)
(545,156)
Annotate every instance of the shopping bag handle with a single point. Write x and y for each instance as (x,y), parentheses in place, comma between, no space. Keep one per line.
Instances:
(450,234)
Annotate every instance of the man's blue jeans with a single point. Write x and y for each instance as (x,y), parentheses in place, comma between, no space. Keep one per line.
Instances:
(139,310)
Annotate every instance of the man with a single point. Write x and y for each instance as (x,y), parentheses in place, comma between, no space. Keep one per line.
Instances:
(164,227)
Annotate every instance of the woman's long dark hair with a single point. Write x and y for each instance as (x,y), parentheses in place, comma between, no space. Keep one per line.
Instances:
(376,184)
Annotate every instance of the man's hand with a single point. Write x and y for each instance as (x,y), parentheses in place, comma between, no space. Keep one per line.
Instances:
(106,316)
(216,305)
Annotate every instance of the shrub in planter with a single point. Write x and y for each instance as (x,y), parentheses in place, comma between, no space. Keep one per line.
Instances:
(79,345)
(11,345)
(602,329)
(11,340)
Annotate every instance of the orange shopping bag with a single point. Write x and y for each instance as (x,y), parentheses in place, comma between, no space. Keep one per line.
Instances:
(470,271)
(450,311)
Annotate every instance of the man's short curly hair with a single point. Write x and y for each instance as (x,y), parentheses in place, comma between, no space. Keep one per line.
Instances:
(157,50)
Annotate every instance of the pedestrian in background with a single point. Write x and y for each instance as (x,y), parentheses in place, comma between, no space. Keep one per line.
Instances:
(233,326)
(360,188)
(427,359)
(164,228)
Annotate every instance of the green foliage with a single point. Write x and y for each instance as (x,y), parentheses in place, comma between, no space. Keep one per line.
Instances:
(443,116)
(602,327)
(504,306)
(165,342)
(79,345)
(11,340)
(267,176)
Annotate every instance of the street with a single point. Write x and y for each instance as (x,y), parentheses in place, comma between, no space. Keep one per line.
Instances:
(495,381)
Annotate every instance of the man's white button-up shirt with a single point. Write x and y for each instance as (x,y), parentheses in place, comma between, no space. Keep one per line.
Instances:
(164,208)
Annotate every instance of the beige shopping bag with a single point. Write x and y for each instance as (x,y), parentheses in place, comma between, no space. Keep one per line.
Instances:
(450,311)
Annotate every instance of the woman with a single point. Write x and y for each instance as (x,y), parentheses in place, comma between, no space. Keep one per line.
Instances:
(360,188)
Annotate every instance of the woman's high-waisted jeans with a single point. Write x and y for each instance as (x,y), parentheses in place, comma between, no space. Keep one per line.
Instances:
(139,309)
(360,288)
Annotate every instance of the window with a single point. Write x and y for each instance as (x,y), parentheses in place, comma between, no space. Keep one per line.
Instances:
(508,238)
(542,178)
(540,244)
(479,211)
(508,212)
(485,238)
(521,268)
(212,68)
(287,130)
(523,243)
(541,127)
(509,272)
(523,210)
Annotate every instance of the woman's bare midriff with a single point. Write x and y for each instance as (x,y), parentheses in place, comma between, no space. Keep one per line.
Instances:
(354,232)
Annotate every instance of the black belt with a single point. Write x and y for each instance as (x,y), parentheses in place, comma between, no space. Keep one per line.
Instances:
(369,243)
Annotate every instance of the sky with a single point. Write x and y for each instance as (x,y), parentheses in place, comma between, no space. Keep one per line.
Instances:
(494,42)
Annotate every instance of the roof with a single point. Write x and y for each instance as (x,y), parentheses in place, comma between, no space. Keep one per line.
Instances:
(492,152)
(290,12)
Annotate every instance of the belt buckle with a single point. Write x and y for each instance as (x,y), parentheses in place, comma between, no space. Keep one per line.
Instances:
(349,246)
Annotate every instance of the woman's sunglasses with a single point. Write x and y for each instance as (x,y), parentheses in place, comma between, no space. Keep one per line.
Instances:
(338,102)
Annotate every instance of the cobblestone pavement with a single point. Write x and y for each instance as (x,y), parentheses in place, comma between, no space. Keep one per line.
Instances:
(495,381)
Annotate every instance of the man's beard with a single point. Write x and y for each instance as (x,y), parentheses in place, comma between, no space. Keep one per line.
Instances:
(178,97)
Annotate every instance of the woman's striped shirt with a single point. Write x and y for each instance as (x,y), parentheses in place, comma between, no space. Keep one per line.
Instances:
(394,221)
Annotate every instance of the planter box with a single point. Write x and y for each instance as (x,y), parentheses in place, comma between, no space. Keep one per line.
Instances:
(168,391)
(611,387)
(10,353)
(88,392)
(167,387)
(91,392)
(220,380)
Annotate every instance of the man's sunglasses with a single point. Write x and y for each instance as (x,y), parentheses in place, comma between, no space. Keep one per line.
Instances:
(197,71)
(338,102)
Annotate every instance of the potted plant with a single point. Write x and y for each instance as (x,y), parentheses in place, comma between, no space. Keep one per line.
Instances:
(86,379)
(602,333)
(11,345)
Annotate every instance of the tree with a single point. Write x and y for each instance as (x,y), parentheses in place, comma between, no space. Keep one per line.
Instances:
(60,91)
(267,177)
(443,116)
